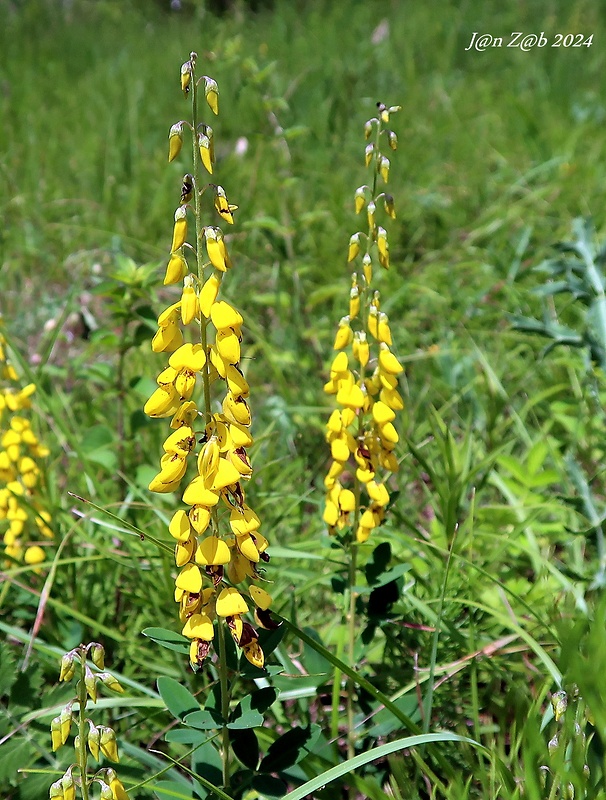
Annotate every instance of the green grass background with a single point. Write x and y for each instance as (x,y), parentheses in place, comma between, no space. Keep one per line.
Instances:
(498,152)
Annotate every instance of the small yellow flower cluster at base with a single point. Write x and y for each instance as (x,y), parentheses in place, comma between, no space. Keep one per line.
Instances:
(21,513)
(213,442)
(364,375)
(101,741)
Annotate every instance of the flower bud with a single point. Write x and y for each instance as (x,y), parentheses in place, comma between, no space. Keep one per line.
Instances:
(215,252)
(56,738)
(384,168)
(370,213)
(211,92)
(68,667)
(176,269)
(118,790)
(367,267)
(354,302)
(360,198)
(354,247)
(175,141)
(223,207)
(93,740)
(90,681)
(68,785)
(186,71)
(344,334)
(180,229)
(108,743)
(392,139)
(106,792)
(368,129)
(97,655)
(107,679)
(205,152)
(383,247)
(368,153)
(56,790)
(388,203)
(559,703)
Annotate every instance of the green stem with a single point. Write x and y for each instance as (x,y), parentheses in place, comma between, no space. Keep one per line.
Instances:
(82,753)
(222,666)
(224,703)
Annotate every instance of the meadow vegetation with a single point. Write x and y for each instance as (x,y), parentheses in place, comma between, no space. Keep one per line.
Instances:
(455,648)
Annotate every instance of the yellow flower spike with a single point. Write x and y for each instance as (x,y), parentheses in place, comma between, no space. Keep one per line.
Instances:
(383,330)
(179,526)
(198,494)
(205,152)
(360,198)
(190,309)
(208,294)
(189,579)
(388,362)
(384,168)
(382,413)
(179,229)
(199,517)
(214,250)
(175,141)
(261,598)
(211,92)
(230,603)
(213,551)
(184,552)
(199,626)
(354,247)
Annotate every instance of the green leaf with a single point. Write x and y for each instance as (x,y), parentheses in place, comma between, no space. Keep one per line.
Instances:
(245,745)
(269,786)
(374,754)
(171,790)
(179,700)
(169,639)
(8,671)
(205,720)
(249,711)
(290,748)
(191,736)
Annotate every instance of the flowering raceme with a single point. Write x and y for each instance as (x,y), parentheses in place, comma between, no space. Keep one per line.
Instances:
(364,373)
(22,516)
(218,543)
